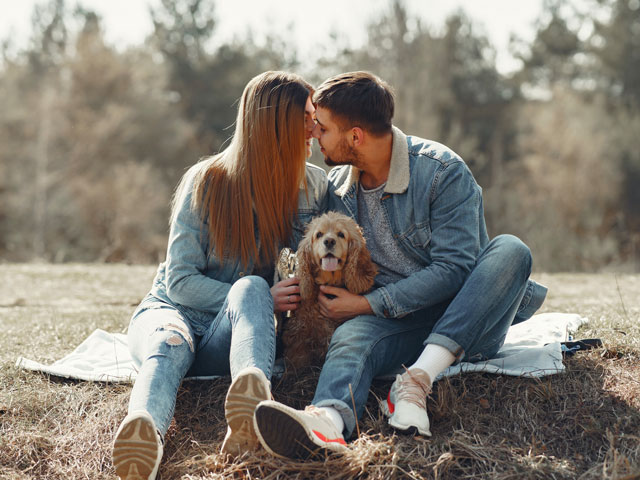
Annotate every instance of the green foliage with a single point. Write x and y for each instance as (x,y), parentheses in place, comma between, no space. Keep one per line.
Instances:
(616,46)
(447,87)
(93,130)
(207,84)
(551,57)
(50,36)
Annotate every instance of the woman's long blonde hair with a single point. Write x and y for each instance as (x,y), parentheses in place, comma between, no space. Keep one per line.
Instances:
(254,183)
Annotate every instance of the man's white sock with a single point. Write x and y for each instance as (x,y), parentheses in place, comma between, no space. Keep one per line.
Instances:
(433,360)
(335,417)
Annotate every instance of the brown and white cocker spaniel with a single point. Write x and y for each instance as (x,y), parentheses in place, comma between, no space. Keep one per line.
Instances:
(332,252)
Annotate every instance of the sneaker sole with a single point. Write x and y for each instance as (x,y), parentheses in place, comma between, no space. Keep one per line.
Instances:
(283,436)
(135,450)
(408,430)
(244,395)
(405,430)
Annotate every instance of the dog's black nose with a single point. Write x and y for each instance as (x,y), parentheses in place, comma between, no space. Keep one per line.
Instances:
(329,243)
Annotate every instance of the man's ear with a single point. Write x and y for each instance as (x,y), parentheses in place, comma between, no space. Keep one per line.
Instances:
(357,136)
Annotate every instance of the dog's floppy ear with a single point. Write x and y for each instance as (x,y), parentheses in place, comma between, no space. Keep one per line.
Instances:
(359,270)
(306,268)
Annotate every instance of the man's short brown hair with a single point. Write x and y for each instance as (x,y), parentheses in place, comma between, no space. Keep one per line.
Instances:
(357,99)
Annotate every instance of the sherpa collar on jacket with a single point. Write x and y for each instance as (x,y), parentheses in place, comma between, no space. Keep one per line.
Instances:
(398,179)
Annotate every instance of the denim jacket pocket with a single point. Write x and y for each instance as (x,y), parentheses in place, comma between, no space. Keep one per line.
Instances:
(419,235)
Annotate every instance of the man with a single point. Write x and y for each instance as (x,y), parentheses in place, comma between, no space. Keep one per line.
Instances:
(444,292)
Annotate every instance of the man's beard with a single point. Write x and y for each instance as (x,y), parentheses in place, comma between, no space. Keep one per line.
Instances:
(345,155)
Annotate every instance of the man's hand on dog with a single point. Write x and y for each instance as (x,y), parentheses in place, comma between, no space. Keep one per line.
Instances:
(341,305)
(286,295)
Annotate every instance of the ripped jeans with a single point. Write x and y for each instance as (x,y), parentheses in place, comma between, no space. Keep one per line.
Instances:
(166,348)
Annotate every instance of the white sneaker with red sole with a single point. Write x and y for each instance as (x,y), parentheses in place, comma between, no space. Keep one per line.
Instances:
(406,403)
(299,434)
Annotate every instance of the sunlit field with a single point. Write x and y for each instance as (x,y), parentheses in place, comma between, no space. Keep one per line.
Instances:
(583,423)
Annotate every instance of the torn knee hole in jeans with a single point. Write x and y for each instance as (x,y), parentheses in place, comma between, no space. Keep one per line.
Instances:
(179,337)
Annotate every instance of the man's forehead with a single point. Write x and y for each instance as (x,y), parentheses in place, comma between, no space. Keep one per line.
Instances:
(323,115)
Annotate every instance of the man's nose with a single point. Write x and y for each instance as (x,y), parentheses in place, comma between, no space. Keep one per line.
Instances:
(315,132)
(329,243)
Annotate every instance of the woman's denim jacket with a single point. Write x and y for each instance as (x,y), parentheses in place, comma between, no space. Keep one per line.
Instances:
(192,278)
(434,208)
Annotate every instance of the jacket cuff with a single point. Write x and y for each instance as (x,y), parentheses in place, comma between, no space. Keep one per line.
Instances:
(380,302)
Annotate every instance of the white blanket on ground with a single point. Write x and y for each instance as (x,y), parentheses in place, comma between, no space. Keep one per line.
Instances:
(531,349)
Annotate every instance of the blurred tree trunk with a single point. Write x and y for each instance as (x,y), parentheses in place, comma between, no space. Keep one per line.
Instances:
(46,59)
(42,174)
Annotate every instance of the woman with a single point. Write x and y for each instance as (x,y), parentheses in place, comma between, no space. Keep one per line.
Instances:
(210,310)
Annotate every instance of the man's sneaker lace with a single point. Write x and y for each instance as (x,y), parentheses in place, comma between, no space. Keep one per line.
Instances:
(299,434)
(406,403)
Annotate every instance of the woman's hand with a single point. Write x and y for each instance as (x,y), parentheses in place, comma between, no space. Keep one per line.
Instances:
(286,295)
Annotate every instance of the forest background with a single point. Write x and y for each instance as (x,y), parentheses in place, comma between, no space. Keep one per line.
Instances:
(93,139)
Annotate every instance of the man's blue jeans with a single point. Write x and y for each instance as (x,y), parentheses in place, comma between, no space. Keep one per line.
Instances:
(472,326)
(165,347)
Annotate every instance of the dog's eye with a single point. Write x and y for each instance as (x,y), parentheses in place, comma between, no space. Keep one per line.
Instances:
(319,234)
(340,234)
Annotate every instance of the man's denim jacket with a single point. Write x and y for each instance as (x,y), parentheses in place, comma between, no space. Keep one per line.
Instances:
(192,278)
(434,208)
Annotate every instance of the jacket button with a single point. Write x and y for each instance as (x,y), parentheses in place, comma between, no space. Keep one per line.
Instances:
(386,312)
(241,274)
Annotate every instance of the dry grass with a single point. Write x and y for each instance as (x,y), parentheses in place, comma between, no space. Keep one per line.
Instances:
(584,423)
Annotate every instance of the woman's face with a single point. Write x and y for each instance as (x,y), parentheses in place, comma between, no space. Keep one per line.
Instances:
(309,124)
